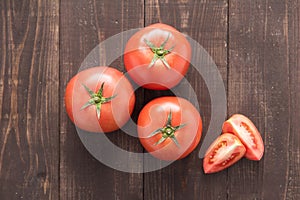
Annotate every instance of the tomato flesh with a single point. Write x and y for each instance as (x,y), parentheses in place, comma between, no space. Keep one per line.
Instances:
(245,130)
(226,150)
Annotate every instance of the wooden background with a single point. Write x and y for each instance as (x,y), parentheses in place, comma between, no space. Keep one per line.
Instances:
(255,44)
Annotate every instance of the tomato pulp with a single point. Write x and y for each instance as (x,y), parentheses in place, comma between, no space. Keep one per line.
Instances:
(245,130)
(226,150)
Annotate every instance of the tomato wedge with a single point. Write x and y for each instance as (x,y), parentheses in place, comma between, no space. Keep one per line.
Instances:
(245,130)
(226,150)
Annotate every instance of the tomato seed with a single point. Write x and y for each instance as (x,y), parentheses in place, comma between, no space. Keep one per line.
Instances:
(246,129)
(221,144)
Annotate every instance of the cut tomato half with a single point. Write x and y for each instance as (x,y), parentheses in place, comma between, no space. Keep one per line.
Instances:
(226,150)
(245,130)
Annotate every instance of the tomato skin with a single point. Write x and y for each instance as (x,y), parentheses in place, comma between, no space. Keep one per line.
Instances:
(154,116)
(114,114)
(162,26)
(138,56)
(226,150)
(244,129)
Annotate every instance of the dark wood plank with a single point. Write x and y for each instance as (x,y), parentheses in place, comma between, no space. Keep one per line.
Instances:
(206,22)
(246,87)
(293,51)
(29,140)
(84,24)
(260,87)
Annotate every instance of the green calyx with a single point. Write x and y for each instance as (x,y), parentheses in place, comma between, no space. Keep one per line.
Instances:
(168,131)
(96,99)
(159,52)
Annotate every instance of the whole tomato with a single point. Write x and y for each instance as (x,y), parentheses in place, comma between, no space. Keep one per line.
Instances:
(99,99)
(169,128)
(157,57)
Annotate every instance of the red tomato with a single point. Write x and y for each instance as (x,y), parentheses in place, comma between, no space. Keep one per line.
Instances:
(99,99)
(169,128)
(226,150)
(246,131)
(163,26)
(157,57)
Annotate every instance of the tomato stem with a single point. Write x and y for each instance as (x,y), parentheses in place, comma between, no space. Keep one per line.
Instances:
(96,99)
(159,52)
(168,131)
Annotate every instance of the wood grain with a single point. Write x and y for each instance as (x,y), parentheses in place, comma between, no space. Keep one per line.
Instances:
(206,22)
(84,24)
(255,45)
(292,178)
(29,141)
(260,87)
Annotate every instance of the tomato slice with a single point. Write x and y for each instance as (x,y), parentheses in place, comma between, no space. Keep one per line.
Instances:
(226,150)
(245,130)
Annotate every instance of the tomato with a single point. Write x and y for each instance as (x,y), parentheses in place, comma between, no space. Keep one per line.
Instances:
(99,99)
(163,26)
(226,150)
(169,128)
(157,57)
(246,131)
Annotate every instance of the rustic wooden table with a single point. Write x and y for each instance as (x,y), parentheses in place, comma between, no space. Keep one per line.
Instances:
(255,44)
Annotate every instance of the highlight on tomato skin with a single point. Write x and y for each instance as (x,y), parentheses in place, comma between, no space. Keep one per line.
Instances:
(226,150)
(245,130)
